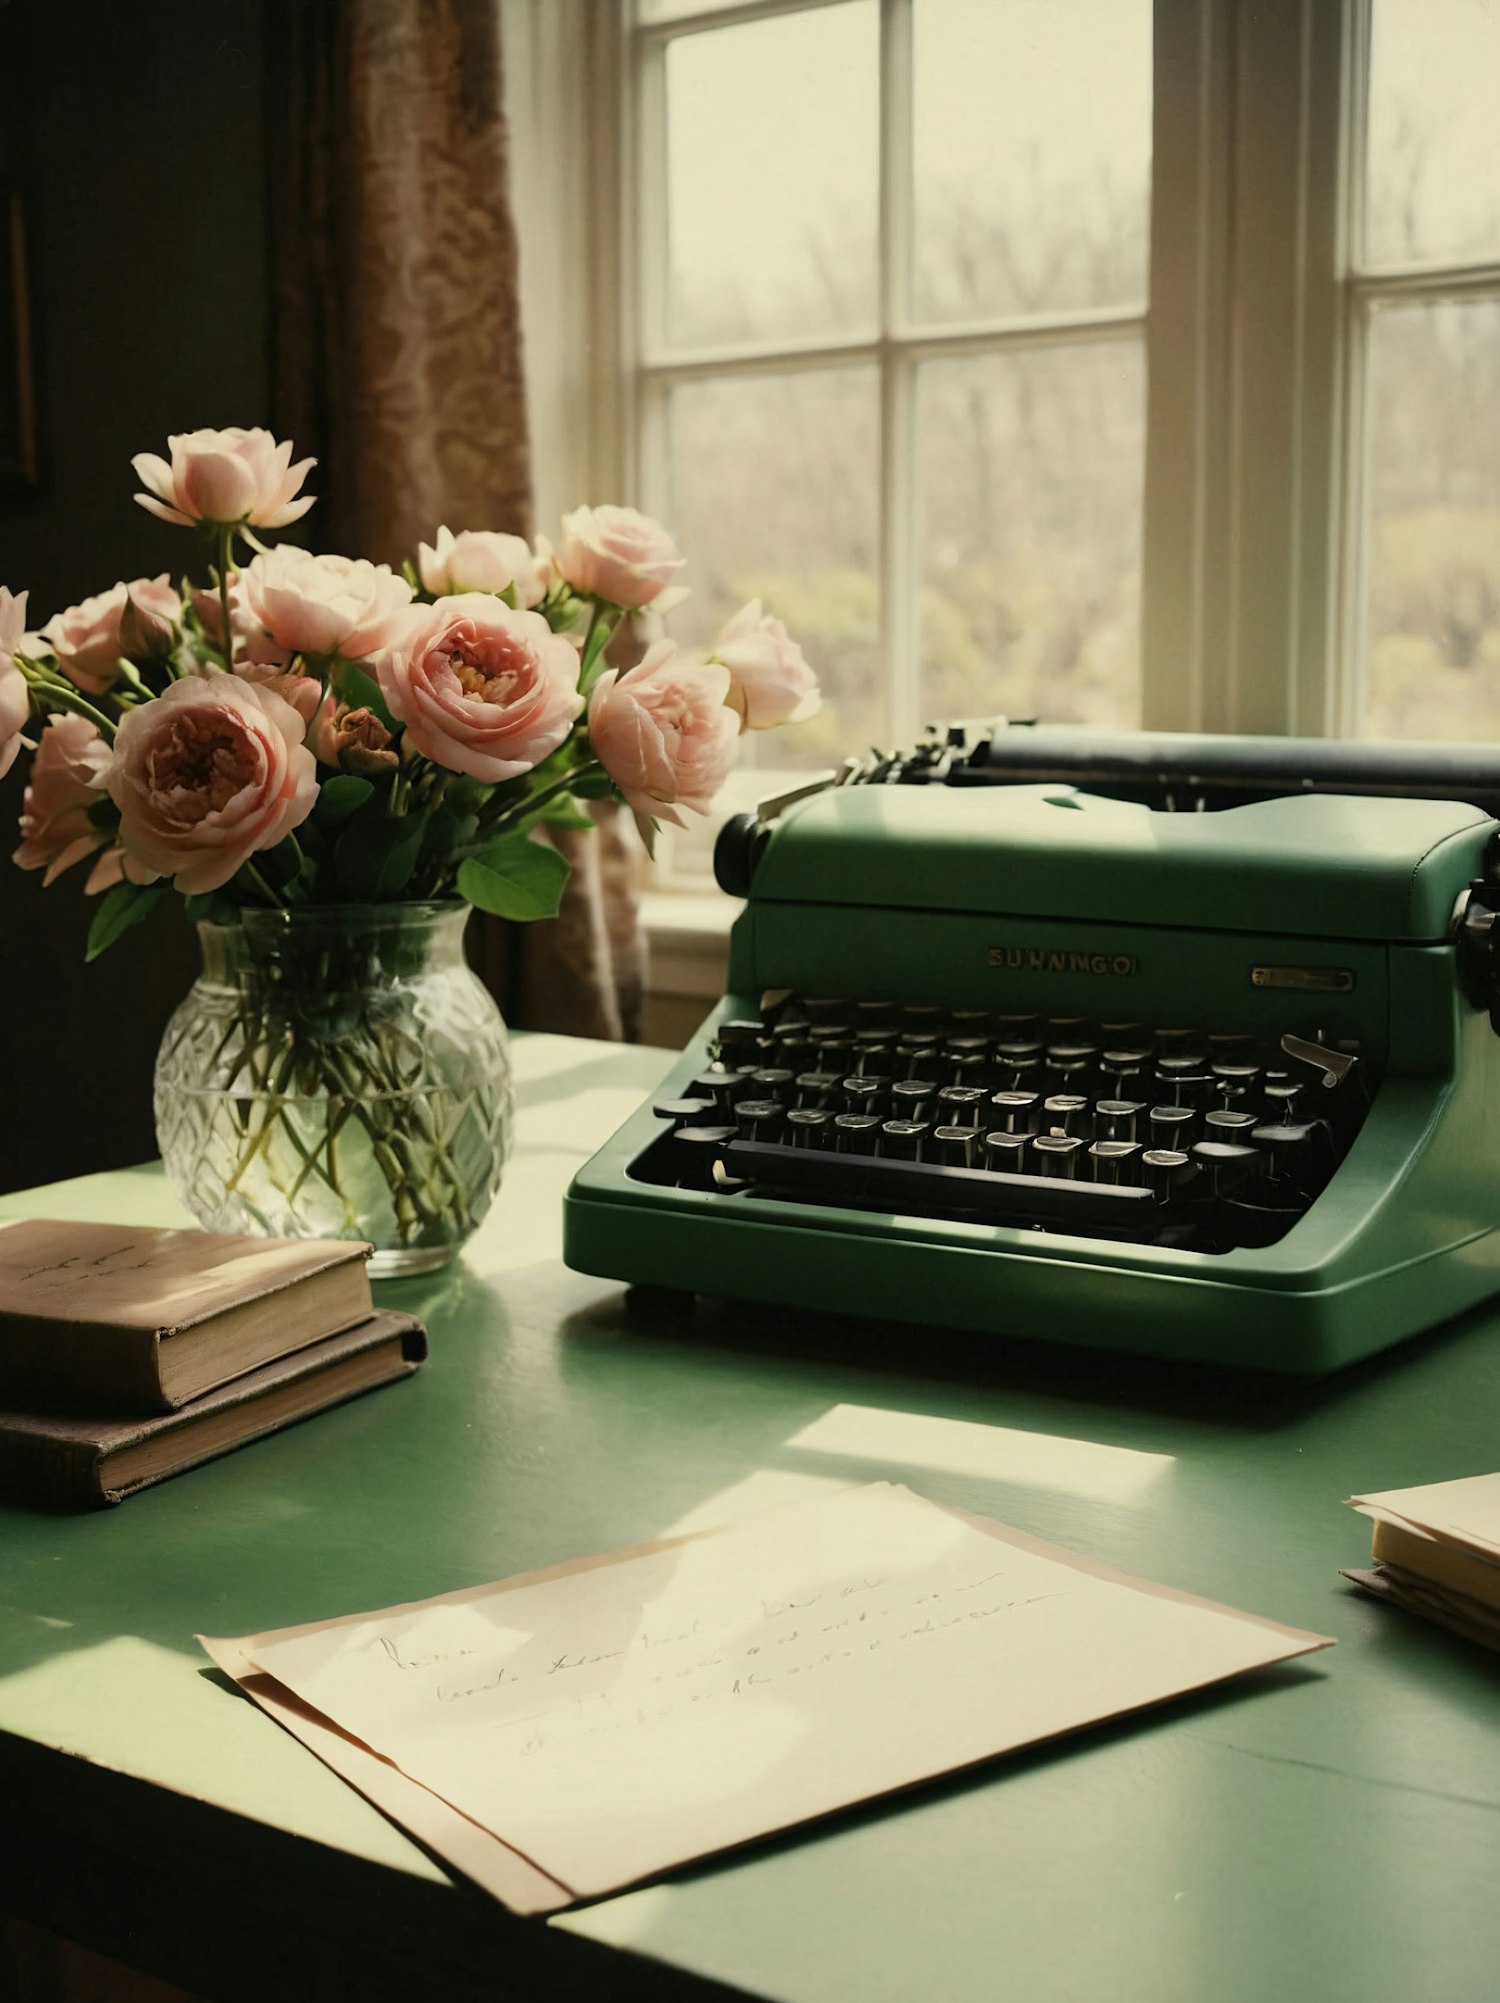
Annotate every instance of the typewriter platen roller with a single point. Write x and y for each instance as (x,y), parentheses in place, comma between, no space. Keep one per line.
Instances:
(1146,1055)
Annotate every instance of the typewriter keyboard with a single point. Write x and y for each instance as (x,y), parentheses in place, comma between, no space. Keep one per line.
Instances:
(1207,1141)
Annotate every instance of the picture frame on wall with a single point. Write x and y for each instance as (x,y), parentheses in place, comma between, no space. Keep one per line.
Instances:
(20,459)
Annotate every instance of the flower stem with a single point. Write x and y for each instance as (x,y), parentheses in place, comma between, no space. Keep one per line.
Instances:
(226,558)
(49,687)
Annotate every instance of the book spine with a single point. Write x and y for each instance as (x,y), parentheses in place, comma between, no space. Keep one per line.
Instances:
(49,1470)
(80,1364)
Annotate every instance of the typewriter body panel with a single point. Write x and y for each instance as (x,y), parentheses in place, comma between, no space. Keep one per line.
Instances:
(1044,917)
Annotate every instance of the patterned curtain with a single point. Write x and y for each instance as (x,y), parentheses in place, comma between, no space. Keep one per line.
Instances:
(397,359)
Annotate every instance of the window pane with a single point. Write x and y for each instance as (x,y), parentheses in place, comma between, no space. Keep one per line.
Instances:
(1031,156)
(776,483)
(1031,468)
(773,177)
(1434,165)
(1434,611)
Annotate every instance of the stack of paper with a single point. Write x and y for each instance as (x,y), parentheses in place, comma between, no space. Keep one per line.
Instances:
(562,1735)
(1437,1552)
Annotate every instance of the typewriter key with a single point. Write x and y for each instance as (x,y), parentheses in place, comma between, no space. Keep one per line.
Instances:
(724,1088)
(955,1147)
(918,1057)
(1116,1119)
(821,1009)
(695,1150)
(960,1105)
(1006,1152)
(1057,1155)
(687,1112)
(902,1140)
(1227,1164)
(874,1054)
(759,1119)
(1167,1170)
(856,1133)
(1123,1066)
(970,1067)
(919,1018)
(1289,1154)
(910,1098)
(1065,1113)
(1173,1126)
(774,1081)
(1114,1161)
(1225,1124)
(1015,1112)
(809,1126)
(739,1041)
(863,1095)
(816,1088)
(879,1015)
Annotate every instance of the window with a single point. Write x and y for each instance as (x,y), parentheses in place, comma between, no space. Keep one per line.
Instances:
(1099,360)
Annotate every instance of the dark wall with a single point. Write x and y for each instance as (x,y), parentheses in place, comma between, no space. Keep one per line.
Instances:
(140,147)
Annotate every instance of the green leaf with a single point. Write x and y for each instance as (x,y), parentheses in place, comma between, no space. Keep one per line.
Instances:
(563,812)
(339,797)
(362,691)
(375,858)
(515,878)
(120,910)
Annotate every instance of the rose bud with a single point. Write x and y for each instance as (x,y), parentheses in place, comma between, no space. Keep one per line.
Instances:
(353,739)
(225,478)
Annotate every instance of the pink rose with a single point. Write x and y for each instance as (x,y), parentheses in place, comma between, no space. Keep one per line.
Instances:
(664,732)
(67,778)
(772,683)
(480,560)
(481,689)
(208,773)
(88,639)
(225,477)
(622,557)
(324,604)
(15,703)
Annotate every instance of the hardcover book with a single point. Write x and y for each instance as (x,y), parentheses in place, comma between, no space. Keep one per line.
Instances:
(72,1458)
(126,1318)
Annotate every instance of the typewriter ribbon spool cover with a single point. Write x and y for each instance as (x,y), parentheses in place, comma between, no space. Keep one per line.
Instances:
(1035,1062)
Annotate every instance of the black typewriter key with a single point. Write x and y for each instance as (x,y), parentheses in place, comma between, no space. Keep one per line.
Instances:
(960,1105)
(1065,1113)
(724,1088)
(1057,1155)
(792,1047)
(1065,1028)
(831,1045)
(1172,1126)
(1018,1049)
(966,1046)
(919,1057)
(774,1081)
(759,1119)
(809,1126)
(902,1140)
(1187,1086)
(1118,1119)
(1114,1161)
(1121,1068)
(821,1009)
(816,1088)
(1006,1152)
(873,1054)
(695,1150)
(1167,1171)
(1014,1112)
(1169,1042)
(1227,1164)
(1293,1153)
(1120,1033)
(739,1042)
(1284,1101)
(1022,1022)
(918,1018)
(856,1133)
(955,1147)
(687,1112)
(879,1015)
(1234,1084)
(1225,1124)
(911,1097)
(970,1067)
(863,1095)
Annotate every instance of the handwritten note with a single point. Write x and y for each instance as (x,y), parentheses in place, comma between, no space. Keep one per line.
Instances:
(610,1721)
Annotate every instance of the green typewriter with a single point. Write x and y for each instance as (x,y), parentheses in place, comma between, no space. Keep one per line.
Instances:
(1184,1046)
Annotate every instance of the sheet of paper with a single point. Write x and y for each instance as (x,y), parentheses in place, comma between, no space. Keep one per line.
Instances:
(1465,1512)
(612,1721)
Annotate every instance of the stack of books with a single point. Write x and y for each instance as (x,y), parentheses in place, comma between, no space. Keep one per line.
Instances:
(128,1354)
(1436,1551)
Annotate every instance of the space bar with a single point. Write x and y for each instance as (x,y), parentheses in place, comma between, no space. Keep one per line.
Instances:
(927,1186)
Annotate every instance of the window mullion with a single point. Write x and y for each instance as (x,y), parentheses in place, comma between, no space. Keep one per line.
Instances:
(900,620)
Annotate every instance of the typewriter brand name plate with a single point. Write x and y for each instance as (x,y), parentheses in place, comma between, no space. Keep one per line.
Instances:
(1305,980)
(1060,960)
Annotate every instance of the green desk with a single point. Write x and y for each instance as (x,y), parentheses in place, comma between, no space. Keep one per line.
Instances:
(1331,1832)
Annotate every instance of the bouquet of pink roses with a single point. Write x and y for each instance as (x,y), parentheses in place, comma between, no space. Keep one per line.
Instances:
(315,730)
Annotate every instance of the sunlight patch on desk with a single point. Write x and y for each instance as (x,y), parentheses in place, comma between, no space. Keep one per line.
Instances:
(899,1441)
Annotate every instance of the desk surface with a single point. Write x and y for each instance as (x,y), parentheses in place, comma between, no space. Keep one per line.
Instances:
(1329,1830)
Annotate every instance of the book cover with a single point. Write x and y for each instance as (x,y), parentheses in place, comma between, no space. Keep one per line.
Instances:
(72,1458)
(127,1318)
